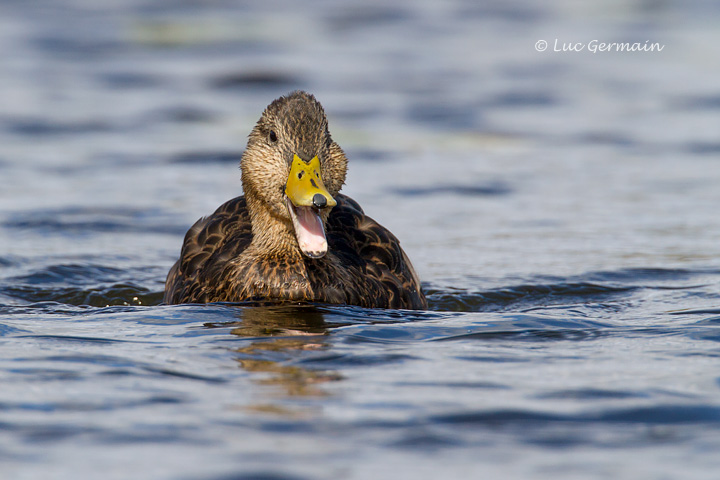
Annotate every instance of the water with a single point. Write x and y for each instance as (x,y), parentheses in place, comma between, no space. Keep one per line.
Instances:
(561,209)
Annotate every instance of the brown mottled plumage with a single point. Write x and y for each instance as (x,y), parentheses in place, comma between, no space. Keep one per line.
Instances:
(248,250)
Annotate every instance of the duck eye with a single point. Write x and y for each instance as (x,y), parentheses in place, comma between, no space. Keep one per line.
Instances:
(272,136)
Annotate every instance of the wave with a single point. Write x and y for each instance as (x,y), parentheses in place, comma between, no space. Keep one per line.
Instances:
(542,291)
(100,285)
(77,284)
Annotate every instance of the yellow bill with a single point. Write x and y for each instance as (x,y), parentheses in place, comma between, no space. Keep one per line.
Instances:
(306,195)
(305,187)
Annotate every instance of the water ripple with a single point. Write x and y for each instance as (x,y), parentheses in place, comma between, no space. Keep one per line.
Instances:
(654,415)
(461,300)
(85,221)
(603,289)
(116,294)
(80,284)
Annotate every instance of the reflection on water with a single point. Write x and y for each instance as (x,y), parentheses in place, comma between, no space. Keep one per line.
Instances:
(279,332)
(289,320)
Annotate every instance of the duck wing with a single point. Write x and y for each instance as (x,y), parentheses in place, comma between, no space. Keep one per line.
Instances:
(388,279)
(208,247)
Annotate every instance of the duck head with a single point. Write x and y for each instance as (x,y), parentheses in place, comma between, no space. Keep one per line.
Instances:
(291,172)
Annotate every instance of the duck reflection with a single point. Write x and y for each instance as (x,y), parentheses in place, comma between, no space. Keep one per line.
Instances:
(282,334)
(290,320)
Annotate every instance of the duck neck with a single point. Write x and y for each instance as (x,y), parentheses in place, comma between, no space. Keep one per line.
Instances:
(273,236)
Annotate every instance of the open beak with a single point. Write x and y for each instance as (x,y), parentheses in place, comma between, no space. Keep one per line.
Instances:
(306,195)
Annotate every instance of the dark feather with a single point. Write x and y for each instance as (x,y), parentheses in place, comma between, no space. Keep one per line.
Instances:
(364,266)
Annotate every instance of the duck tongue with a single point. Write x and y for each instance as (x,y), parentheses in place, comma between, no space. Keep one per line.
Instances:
(310,232)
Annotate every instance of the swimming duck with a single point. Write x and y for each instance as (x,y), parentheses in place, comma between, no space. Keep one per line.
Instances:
(293,237)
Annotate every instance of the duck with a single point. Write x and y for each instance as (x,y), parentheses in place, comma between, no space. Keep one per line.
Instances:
(292,237)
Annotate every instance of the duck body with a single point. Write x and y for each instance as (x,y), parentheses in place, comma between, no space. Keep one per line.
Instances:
(364,266)
(290,238)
